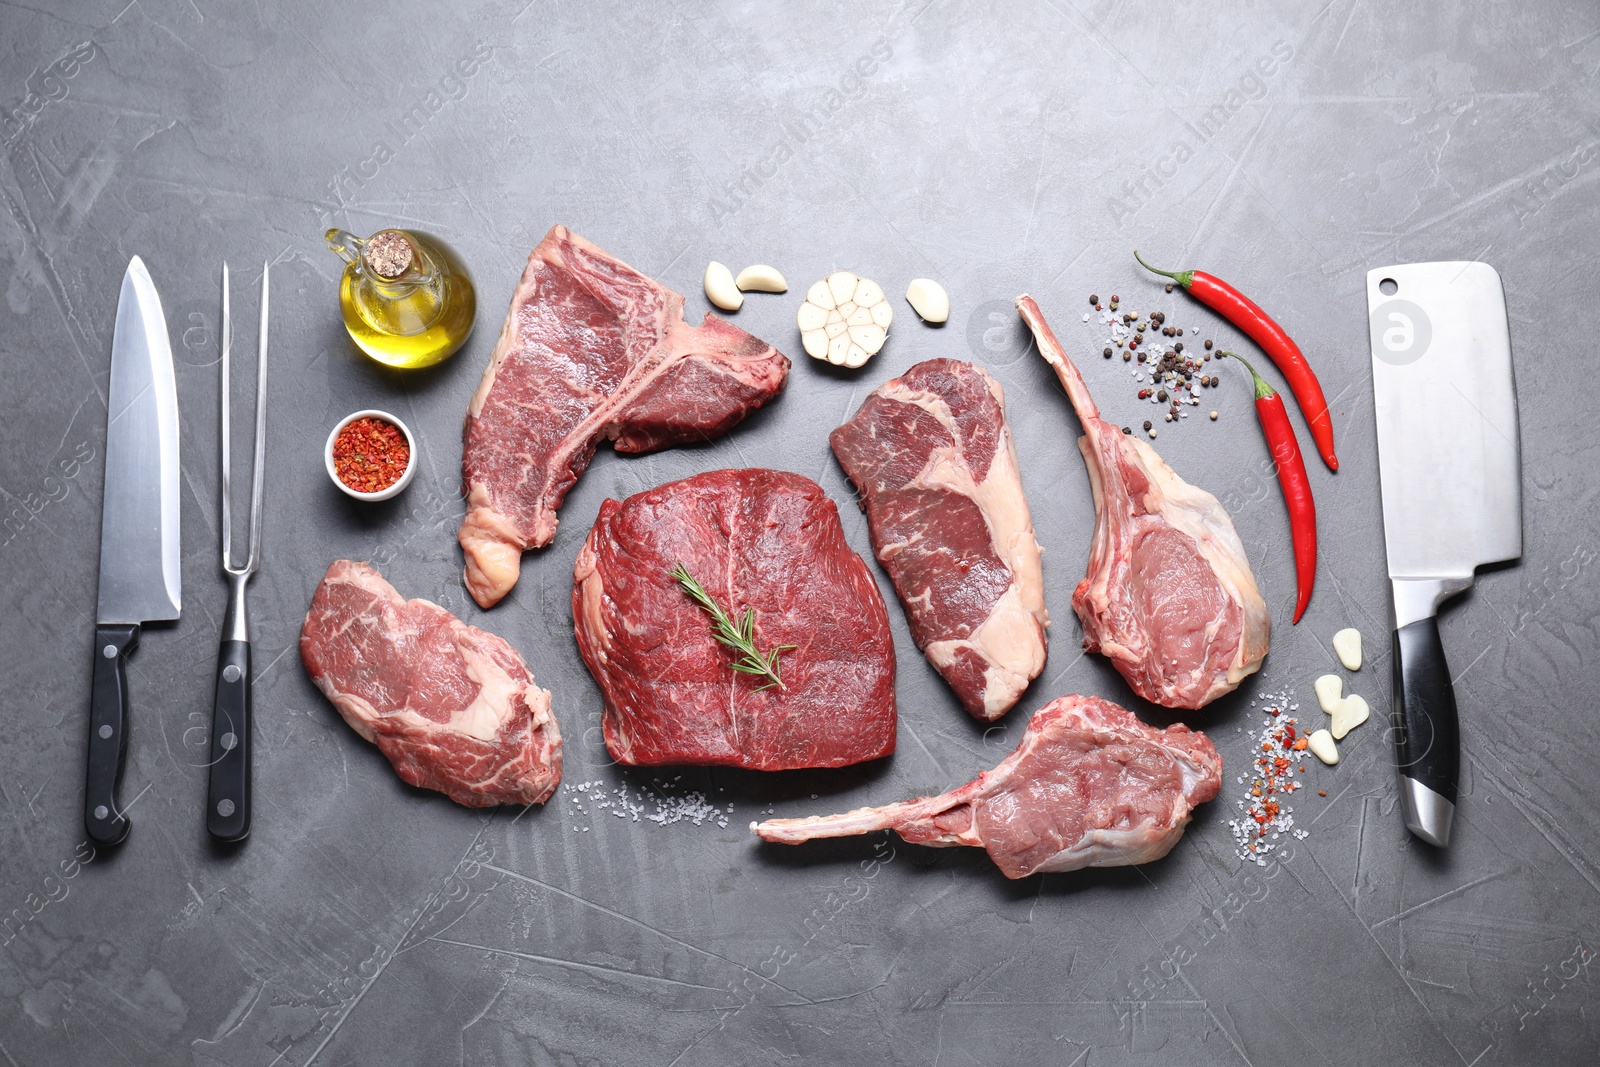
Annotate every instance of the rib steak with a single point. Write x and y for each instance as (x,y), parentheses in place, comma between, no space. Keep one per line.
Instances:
(1169,596)
(454,708)
(591,349)
(933,459)
(1089,786)
(758,539)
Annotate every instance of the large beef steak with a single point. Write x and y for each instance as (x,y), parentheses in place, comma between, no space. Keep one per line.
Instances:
(933,459)
(591,350)
(453,707)
(759,539)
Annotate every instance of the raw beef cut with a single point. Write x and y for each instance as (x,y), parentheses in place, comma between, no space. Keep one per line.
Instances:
(591,350)
(1169,596)
(757,539)
(1089,786)
(932,457)
(454,708)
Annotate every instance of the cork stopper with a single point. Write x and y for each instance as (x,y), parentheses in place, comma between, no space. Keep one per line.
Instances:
(388,254)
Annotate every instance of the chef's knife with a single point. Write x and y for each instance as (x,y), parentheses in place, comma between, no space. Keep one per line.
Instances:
(1450,464)
(139,574)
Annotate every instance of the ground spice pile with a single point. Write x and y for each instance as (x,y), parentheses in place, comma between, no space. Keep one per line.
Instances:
(1279,749)
(370,454)
(1170,376)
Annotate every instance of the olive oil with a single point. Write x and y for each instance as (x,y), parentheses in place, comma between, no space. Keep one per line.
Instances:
(406,297)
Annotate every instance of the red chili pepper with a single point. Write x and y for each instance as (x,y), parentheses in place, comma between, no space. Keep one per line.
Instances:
(1278,345)
(1292,478)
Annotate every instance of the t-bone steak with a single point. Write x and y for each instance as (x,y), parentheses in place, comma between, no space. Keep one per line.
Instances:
(1169,596)
(454,708)
(759,539)
(933,459)
(1089,786)
(591,350)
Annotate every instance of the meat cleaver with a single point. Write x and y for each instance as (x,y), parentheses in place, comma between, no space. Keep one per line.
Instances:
(1450,465)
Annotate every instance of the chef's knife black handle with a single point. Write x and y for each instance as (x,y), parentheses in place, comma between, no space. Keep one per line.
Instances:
(1427,732)
(228,798)
(103,818)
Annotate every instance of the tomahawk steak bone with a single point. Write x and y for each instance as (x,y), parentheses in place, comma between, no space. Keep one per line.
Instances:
(764,540)
(454,708)
(1089,786)
(591,350)
(1169,596)
(932,457)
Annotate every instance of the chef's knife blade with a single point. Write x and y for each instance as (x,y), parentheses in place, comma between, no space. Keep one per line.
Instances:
(1449,461)
(140,580)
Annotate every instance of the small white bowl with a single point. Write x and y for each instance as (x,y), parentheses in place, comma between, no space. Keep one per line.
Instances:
(382,494)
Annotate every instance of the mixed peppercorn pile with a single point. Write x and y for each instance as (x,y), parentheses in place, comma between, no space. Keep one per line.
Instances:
(1167,376)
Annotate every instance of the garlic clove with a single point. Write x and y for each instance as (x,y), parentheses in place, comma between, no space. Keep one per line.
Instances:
(1330,689)
(1322,746)
(857,356)
(812,317)
(839,351)
(761,279)
(820,295)
(1351,712)
(1347,646)
(816,344)
(720,289)
(835,328)
(869,337)
(882,314)
(868,292)
(928,299)
(842,284)
(859,317)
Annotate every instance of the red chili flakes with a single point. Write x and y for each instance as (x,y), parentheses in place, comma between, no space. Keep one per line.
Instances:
(370,454)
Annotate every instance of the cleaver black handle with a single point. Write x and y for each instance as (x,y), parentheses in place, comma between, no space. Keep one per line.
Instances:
(103,818)
(228,796)
(1427,732)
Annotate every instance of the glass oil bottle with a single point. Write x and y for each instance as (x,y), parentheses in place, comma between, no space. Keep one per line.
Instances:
(406,297)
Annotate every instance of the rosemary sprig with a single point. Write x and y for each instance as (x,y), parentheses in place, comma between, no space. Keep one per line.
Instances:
(739,636)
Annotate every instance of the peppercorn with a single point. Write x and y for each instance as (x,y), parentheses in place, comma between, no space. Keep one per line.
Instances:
(1128,430)
(1115,298)
(1213,416)
(1208,346)
(1144,394)
(1161,395)
(1094,298)
(1138,337)
(1169,287)
(1148,424)
(1126,356)
(1107,352)
(1178,347)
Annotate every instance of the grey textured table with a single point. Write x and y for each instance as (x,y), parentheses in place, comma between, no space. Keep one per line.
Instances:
(998,148)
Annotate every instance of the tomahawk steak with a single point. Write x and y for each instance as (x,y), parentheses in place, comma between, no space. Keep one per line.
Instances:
(933,459)
(1089,786)
(454,708)
(1169,596)
(591,350)
(762,540)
